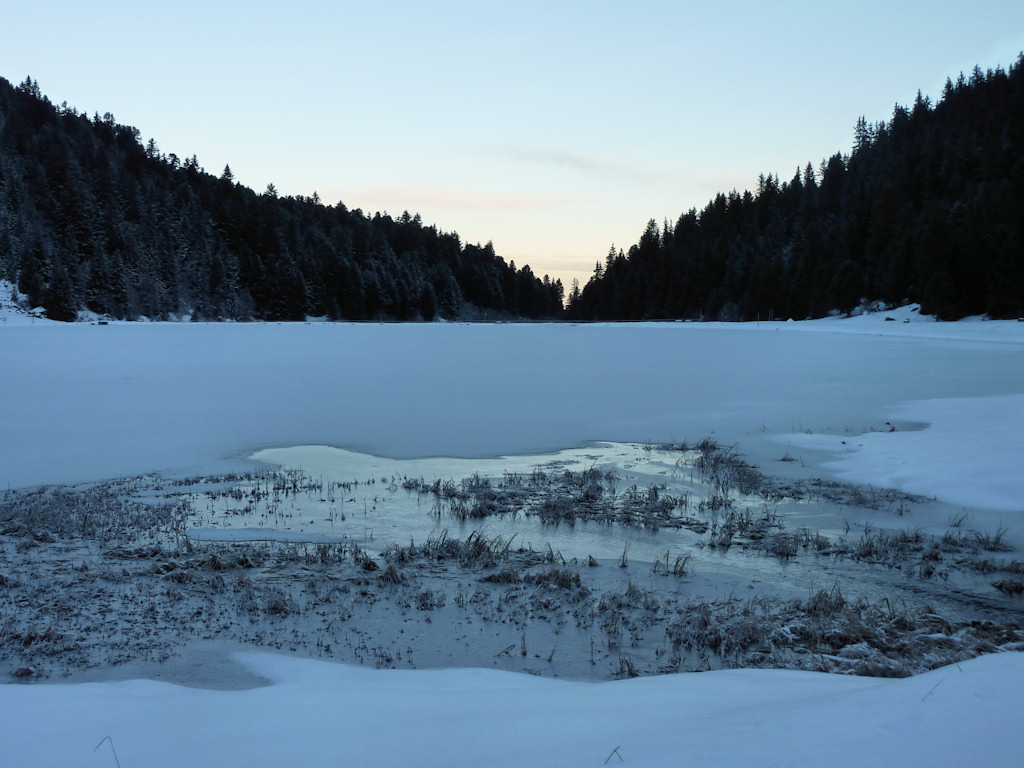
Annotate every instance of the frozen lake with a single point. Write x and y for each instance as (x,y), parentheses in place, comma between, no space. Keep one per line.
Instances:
(90,402)
(932,409)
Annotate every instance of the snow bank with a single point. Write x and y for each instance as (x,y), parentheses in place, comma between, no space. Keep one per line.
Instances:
(13,309)
(318,713)
(970,453)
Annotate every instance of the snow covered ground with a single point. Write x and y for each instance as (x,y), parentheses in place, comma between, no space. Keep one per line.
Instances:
(317,713)
(932,408)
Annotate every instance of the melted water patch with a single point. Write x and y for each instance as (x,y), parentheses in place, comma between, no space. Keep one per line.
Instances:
(377,501)
(612,502)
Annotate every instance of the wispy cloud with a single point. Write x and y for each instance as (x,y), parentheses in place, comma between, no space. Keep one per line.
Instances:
(402,197)
(595,167)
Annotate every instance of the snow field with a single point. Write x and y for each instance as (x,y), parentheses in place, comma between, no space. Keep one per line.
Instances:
(87,402)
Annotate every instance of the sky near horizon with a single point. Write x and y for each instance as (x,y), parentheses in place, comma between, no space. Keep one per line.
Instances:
(553,129)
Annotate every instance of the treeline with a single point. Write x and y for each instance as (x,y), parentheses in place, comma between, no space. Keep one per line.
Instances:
(927,207)
(93,218)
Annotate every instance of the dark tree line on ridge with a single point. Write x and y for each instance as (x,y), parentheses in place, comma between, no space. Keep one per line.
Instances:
(928,207)
(92,218)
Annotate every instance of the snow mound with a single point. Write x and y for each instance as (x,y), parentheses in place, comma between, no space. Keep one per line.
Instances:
(319,713)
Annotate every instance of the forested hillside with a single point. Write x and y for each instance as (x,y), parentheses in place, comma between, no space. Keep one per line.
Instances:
(92,218)
(927,207)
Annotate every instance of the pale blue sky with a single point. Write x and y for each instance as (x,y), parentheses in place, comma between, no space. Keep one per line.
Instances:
(552,129)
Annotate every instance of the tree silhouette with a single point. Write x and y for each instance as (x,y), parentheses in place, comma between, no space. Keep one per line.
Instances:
(928,207)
